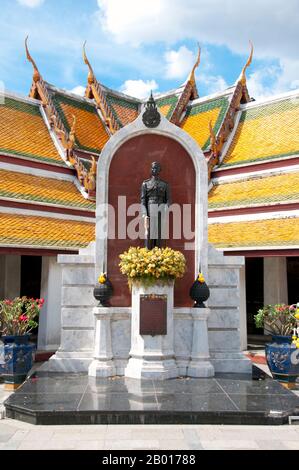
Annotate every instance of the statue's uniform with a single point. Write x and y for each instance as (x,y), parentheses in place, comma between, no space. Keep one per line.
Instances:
(155,199)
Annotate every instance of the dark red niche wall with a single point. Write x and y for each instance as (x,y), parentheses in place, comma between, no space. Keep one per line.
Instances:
(130,166)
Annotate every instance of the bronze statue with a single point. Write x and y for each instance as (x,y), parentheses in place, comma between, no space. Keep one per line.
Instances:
(155,200)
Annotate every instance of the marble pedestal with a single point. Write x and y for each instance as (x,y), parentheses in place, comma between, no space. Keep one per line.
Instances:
(152,357)
(103,364)
(200,365)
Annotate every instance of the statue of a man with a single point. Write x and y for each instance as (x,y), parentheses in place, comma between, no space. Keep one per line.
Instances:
(155,200)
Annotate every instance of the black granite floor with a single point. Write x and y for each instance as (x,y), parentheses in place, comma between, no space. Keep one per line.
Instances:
(52,398)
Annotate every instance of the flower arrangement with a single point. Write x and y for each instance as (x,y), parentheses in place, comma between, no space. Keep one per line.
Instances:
(149,266)
(19,316)
(279,319)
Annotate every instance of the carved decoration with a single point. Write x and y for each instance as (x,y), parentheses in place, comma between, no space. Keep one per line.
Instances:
(94,91)
(190,92)
(151,117)
(248,63)
(39,91)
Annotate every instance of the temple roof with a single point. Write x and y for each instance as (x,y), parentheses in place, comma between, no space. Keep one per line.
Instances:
(41,190)
(254,191)
(28,231)
(278,233)
(200,112)
(266,131)
(90,132)
(23,131)
(125,109)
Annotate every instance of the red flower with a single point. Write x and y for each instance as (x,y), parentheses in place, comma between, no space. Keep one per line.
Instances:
(23,318)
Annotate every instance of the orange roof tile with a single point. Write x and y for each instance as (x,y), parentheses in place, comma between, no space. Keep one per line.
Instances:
(91,134)
(198,117)
(23,132)
(15,185)
(265,132)
(262,190)
(44,232)
(259,233)
(124,110)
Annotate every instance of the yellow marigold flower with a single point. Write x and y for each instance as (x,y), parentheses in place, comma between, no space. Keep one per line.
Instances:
(201,278)
(102,278)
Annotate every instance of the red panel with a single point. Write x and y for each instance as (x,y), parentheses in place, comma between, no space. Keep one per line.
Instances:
(130,166)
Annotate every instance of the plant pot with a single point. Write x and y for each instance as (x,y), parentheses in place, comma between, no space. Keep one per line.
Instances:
(103,293)
(200,293)
(283,360)
(16,359)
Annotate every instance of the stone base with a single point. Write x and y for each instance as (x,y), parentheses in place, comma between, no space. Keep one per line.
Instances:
(68,362)
(236,363)
(200,369)
(101,369)
(140,368)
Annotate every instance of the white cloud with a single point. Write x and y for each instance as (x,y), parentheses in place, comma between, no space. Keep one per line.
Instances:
(30,3)
(139,88)
(212,83)
(78,90)
(272,25)
(179,63)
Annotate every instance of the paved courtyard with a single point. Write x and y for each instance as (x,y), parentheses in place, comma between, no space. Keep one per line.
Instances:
(15,435)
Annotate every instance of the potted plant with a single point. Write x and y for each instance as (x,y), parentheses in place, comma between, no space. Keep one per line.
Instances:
(282,354)
(18,318)
(157,266)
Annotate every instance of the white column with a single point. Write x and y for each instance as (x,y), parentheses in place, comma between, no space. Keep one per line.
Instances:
(275,281)
(50,315)
(103,364)
(200,365)
(151,357)
(243,312)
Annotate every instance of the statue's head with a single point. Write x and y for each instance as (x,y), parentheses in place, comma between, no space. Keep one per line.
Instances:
(156,168)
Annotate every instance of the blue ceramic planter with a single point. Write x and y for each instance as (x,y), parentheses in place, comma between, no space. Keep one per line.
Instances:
(283,360)
(16,358)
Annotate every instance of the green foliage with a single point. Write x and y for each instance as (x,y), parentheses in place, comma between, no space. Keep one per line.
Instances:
(19,316)
(277,319)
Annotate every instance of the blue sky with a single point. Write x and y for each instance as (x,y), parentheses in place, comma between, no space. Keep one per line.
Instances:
(138,45)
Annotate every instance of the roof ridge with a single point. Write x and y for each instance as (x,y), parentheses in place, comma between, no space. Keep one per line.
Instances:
(270,99)
(19,97)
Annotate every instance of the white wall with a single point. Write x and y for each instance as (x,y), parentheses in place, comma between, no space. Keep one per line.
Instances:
(50,316)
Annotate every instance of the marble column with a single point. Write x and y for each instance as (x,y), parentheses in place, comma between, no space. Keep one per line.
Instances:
(103,364)
(200,365)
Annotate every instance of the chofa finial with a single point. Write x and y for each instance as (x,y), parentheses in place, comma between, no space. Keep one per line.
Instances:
(192,73)
(91,77)
(242,78)
(36,74)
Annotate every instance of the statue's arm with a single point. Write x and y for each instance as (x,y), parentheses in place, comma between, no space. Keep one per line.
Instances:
(144,209)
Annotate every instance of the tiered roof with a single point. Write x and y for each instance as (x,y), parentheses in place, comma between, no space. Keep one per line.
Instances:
(203,111)
(29,231)
(265,132)
(90,133)
(255,191)
(23,131)
(259,176)
(50,143)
